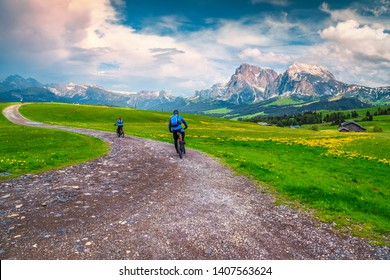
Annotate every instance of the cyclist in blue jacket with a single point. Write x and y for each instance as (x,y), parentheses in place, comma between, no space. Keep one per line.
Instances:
(175,125)
(119,124)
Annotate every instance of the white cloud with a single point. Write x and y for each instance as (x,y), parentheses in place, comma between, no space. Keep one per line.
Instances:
(347,67)
(164,24)
(359,40)
(353,52)
(382,8)
(84,41)
(359,13)
(337,15)
(82,38)
(265,58)
(355,44)
(191,84)
(236,34)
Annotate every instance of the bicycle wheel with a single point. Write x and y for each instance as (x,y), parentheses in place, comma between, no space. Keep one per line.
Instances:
(182,150)
(179,147)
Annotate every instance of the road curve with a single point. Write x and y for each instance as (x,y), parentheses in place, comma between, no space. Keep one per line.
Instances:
(140,201)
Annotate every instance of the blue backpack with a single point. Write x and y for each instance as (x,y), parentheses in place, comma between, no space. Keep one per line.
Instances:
(175,121)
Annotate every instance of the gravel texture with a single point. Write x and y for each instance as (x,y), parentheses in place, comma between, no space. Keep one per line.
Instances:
(141,201)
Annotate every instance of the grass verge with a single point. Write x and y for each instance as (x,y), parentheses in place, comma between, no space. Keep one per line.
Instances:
(31,150)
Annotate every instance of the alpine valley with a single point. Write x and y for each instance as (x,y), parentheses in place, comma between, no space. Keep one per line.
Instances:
(251,91)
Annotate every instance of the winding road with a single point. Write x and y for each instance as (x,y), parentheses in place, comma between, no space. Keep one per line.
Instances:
(140,201)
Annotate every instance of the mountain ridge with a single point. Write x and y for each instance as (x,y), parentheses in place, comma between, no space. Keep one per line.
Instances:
(249,85)
(299,79)
(16,88)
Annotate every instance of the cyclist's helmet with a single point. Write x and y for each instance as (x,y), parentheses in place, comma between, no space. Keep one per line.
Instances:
(175,112)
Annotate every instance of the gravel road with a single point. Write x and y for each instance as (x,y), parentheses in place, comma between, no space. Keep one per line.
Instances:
(141,201)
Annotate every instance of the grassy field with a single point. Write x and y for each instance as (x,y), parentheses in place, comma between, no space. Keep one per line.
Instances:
(218,111)
(284,101)
(243,117)
(343,177)
(31,150)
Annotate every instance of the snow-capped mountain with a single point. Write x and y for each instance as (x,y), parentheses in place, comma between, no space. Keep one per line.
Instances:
(251,84)
(69,90)
(216,91)
(309,80)
(148,99)
(298,69)
(16,88)
(91,94)
(248,85)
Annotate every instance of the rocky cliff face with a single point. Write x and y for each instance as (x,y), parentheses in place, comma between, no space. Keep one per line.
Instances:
(251,84)
(308,80)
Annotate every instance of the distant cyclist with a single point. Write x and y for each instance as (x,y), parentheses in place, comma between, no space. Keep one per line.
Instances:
(119,124)
(175,126)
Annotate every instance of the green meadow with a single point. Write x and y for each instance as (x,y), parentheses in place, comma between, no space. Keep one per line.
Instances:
(342,177)
(31,150)
(284,101)
(218,111)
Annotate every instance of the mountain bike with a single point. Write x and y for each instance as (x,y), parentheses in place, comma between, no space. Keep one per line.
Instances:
(120,132)
(180,145)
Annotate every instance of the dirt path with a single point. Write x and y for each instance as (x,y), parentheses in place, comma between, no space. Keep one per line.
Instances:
(140,201)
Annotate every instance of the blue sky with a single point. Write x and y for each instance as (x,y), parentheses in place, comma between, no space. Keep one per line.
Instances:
(186,45)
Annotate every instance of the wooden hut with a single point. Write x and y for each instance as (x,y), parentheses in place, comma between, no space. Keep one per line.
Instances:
(351,126)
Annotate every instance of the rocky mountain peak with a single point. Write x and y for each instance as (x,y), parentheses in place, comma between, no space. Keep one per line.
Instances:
(298,69)
(18,82)
(251,84)
(246,69)
(309,80)
(251,72)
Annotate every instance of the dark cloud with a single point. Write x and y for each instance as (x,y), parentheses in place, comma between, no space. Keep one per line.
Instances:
(99,33)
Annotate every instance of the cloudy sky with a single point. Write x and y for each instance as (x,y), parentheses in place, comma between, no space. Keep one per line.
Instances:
(185,45)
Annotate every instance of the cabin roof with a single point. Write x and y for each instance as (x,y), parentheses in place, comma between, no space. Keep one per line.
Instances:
(352,122)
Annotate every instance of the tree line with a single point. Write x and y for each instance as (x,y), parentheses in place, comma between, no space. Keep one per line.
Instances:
(309,117)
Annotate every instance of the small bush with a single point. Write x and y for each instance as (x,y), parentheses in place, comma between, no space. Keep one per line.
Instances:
(377,129)
(314,127)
